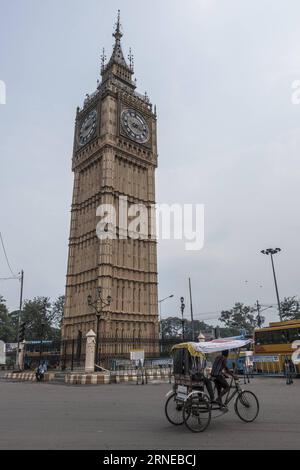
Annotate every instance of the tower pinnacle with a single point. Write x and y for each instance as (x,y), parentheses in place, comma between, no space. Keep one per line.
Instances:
(118,33)
(117,64)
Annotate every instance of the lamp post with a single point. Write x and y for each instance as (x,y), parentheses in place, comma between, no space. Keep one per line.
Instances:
(160,314)
(160,319)
(259,319)
(19,317)
(272,252)
(192,313)
(98,304)
(182,307)
(41,342)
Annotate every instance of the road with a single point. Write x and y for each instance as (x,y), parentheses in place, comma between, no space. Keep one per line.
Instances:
(127,416)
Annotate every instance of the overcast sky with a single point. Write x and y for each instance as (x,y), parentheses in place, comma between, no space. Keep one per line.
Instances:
(220,72)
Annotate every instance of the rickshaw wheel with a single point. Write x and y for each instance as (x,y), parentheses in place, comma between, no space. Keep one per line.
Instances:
(173,410)
(197,413)
(246,406)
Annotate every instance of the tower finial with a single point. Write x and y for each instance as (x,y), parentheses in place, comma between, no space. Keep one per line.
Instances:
(118,33)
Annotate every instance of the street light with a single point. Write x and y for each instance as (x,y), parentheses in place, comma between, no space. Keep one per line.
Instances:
(271,252)
(259,318)
(160,317)
(160,302)
(182,307)
(95,305)
(41,342)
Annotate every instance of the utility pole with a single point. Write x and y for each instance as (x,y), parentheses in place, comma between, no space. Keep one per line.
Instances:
(192,313)
(161,338)
(19,317)
(259,319)
(182,307)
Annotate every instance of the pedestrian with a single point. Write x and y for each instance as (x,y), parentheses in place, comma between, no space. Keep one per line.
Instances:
(40,372)
(287,369)
(292,371)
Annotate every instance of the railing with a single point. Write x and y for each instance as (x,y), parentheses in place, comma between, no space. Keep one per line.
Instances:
(113,353)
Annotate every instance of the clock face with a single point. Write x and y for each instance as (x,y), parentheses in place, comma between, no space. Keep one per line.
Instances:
(88,127)
(135,126)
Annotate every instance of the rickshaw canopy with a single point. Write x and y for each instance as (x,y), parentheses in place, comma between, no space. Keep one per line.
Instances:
(216,345)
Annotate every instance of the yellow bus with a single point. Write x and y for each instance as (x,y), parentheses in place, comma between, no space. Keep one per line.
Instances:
(273,345)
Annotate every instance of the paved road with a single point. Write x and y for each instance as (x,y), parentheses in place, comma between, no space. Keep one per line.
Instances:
(44,416)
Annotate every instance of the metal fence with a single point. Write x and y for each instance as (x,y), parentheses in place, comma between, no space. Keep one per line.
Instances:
(112,353)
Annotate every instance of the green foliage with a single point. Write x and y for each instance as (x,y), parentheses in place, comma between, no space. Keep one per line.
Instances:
(290,308)
(172,328)
(7,327)
(58,311)
(43,319)
(228,332)
(199,326)
(240,317)
(38,318)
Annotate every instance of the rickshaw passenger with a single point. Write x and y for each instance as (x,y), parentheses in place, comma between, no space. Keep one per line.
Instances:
(198,373)
(220,365)
(209,388)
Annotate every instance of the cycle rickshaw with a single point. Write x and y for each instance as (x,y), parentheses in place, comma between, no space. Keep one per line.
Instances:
(189,403)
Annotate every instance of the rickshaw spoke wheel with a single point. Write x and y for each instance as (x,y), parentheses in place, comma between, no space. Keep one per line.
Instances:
(197,413)
(246,406)
(173,410)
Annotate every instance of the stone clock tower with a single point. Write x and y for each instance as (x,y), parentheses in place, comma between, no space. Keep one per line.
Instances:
(114,158)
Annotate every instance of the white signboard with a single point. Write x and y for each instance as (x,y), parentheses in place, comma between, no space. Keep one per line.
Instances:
(182,392)
(2,353)
(138,356)
(265,358)
(11,347)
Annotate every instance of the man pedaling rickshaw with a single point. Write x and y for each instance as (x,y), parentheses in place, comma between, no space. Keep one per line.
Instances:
(217,374)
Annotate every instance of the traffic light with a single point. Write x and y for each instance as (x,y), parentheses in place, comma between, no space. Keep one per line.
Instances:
(22,332)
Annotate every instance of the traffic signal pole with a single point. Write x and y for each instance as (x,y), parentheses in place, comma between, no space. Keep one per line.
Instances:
(19,317)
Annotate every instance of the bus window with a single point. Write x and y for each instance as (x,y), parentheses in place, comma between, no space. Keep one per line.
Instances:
(294,334)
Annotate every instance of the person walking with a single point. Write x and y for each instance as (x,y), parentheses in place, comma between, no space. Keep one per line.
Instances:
(292,371)
(288,374)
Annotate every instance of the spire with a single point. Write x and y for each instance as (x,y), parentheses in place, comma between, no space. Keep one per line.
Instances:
(118,34)
(117,56)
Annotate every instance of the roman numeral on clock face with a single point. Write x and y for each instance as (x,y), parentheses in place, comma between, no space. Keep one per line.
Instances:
(135,126)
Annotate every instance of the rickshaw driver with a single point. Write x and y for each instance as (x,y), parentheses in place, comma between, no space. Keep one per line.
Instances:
(220,365)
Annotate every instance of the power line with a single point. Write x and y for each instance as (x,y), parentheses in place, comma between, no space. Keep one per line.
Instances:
(8,278)
(14,276)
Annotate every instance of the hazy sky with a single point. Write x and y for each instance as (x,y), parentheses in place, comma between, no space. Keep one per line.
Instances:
(220,72)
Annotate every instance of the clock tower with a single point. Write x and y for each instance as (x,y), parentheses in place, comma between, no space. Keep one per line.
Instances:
(114,163)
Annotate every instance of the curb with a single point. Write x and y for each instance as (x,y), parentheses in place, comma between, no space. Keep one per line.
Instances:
(27,376)
(87,379)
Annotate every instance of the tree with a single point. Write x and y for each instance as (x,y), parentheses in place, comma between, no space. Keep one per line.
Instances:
(228,332)
(6,325)
(43,319)
(38,316)
(58,311)
(290,308)
(198,326)
(239,317)
(172,328)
